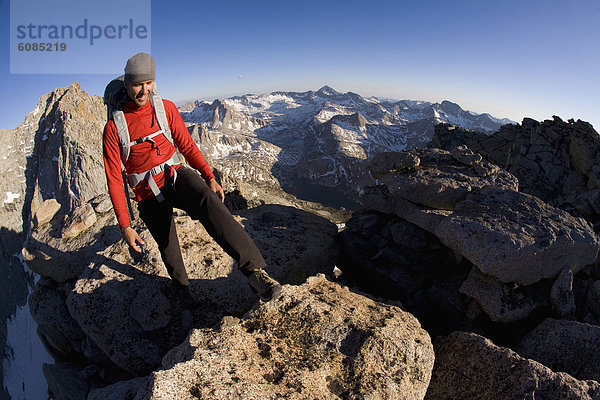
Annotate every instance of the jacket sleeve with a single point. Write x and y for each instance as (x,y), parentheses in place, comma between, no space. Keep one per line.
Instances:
(112,166)
(184,142)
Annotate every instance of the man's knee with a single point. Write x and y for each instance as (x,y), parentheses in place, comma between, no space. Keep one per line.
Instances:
(190,183)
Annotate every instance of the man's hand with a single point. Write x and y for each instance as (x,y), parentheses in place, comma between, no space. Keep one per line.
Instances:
(132,238)
(215,187)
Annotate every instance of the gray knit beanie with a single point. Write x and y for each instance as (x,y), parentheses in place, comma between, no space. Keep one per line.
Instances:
(139,68)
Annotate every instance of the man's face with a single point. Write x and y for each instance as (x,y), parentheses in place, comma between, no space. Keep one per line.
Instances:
(139,92)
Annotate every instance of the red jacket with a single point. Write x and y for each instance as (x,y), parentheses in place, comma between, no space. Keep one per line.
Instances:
(144,156)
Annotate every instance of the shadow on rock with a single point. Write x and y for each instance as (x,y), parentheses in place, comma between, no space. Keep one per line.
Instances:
(13,288)
(135,317)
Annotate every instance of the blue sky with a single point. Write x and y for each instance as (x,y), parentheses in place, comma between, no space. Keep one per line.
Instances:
(511,58)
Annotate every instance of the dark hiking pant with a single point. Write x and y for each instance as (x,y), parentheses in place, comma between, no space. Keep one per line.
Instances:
(191,194)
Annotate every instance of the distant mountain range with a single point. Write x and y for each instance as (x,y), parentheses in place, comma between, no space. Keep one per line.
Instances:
(314,141)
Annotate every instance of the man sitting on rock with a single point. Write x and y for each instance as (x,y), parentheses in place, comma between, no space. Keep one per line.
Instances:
(160,182)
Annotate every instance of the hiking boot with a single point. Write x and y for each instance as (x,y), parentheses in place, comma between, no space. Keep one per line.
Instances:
(261,283)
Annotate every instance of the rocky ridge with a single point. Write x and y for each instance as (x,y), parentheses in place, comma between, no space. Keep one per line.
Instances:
(117,329)
(54,153)
(448,234)
(554,160)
